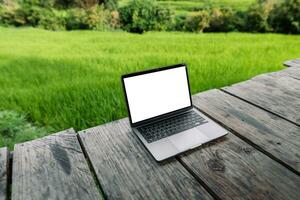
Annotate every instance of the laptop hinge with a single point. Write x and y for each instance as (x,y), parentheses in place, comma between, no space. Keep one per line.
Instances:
(165,117)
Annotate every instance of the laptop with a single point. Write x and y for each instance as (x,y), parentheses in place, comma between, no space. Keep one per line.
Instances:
(161,112)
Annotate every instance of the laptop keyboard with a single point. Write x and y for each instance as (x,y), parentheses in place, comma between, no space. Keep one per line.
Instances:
(171,126)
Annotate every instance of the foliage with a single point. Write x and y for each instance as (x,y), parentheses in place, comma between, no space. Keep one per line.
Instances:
(97,18)
(257,16)
(15,128)
(75,19)
(111,4)
(186,6)
(52,20)
(197,21)
(63,4)
(114,20)
(94,18)
(178,23)
(261,16)
(221,20)
(108,4)
(10,123)
(9,15)
(285,17)
(144,15)
(40,3)
(34,14)
(239,21)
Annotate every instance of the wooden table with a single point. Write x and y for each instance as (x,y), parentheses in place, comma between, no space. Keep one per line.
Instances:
(258,159)
(292,63)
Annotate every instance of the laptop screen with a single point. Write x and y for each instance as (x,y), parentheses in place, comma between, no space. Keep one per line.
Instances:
(156,93)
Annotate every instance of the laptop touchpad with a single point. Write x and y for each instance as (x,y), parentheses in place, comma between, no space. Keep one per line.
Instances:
(188,139)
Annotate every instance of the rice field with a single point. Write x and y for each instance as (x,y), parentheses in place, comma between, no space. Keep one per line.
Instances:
(56,80)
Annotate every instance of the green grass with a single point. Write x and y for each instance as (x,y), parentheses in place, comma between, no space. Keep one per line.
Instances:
(15,128)
(72,79)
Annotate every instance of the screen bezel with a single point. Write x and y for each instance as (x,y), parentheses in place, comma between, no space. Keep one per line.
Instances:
(159,117)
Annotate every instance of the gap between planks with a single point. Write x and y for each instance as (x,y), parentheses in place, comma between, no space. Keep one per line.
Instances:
(282,84)
(200,181)
(9,174)
(64,169)
(10,167)
(248,141)
(4,170)
(292,63)
(125,169)
(258,106)
(92,169)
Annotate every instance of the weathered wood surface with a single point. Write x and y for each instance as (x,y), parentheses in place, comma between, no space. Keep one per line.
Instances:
(53,167)
(292,63)
(293,72)
(235,170)
(277,94)
(4,160)
(127,171)
(273,134)
(263,162)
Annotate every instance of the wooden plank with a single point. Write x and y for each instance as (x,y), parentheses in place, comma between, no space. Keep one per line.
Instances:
(271,133)
(232,169)
(277,94)
(53,167)
(293,72)
(235,170)
(127,171)
(292,63)
(4,160)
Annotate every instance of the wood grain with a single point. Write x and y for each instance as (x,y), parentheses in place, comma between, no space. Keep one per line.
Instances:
(292,63)
(127,171)
(53,167)
(293,72)
(277,94)
(235,170)
(4,160)
(271,133)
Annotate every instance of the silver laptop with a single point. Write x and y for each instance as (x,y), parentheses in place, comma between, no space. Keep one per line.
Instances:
(161,113)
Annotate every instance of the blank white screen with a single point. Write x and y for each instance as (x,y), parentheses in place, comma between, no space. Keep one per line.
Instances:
(153,94)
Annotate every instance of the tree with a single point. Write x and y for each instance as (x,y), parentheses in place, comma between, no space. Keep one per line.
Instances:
(144,15)
(108,4)
(198,21)
(257,16)
(285,17)
(221,20)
